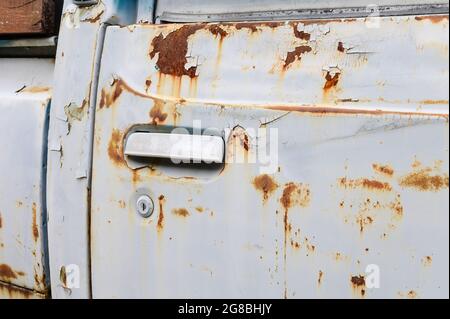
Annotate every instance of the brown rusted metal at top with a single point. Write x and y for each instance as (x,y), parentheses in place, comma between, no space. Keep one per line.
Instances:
(292,56)
(172,51)
(217,31)
(432,18)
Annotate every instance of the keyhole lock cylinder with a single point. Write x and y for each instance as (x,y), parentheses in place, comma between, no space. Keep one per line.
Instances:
(144,206)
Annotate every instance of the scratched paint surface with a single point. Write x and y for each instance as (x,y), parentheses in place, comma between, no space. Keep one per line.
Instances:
(362,172)
(25,97)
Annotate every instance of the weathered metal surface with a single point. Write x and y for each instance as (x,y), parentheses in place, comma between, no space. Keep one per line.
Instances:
(70,138)
(24,101)
(360,175)
(182,11)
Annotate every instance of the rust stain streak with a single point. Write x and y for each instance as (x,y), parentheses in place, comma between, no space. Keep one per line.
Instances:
(331,80)
(335,110)
(364,183)
(35,228)
(383,169)
(216,30)
(293,194)
(319,280)
(359,284)
(115,147)
(182,212)
(109,97)
(160,224)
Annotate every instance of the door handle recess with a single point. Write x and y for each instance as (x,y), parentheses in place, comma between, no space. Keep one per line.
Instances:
(178,147)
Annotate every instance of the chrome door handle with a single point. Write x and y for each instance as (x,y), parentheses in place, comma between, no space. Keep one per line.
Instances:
(179,147)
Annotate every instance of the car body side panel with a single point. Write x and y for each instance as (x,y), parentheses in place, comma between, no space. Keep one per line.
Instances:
(357,119)
(25,92)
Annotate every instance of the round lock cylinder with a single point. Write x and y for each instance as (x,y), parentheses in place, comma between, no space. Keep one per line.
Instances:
(144,206)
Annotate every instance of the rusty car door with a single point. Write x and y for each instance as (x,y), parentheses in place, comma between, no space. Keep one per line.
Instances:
(27,48)
(334,180)
(25,98)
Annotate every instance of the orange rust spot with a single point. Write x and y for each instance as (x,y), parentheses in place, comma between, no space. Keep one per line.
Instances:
(35,228)
(397,207)
(148,83)
(172,51)
(358,281)
(135,178)
(363,221)
(122,204)
(359,284)
(292,56)
(425,180)
(115,147)
(412,294)
(199,209)
(427,261)
(416,164)
(319,280)
(433,18)
(383,169)
(295,194)
(295,244)
(107,99)
(156,113)
(1,222)
(6,272)
(340,47)
(266,184)
(182,212)
(160,224)
(311,248)
(217,31)
(338,256)
(364,183)
(331,81)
